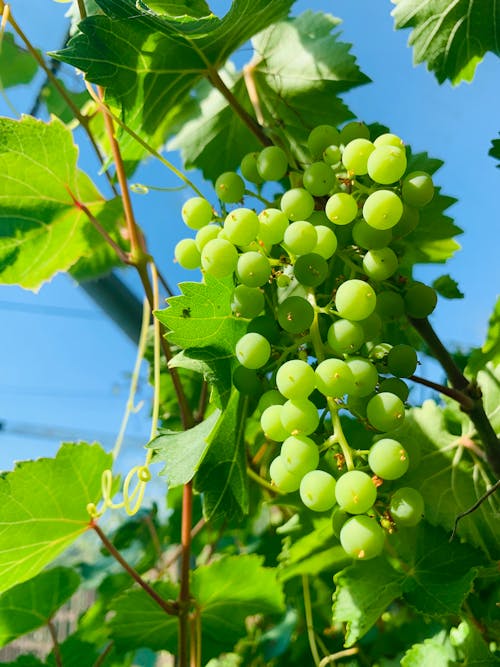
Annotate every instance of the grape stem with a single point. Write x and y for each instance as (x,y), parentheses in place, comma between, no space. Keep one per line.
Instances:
(338,435)
(309,620)
(330,659)
(55,643)
(474,407)
(474,507)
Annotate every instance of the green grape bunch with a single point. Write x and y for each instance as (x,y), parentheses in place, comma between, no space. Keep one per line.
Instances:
(318,274)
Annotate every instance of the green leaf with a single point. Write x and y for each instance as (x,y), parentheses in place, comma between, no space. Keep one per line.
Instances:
(183,451)
(222,477)
(229,590)
(139,621)
(436,651)
(44,508)
(57,105)
(452,38)
(449,479)
(490,351)
(43,231)
(148,64)
(74,652)
(202,316)
(448,287)
(214,364)
(432,240)
(495,151)
(178,8)
(17,66)
(30,605)
(470,645)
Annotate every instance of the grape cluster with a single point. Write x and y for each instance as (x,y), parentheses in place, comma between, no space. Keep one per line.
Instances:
(318,274)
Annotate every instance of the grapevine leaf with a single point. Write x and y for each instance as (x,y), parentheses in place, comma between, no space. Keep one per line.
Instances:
(73,653)
(222,477)
(202,316)
(139,621)
(448,287)
(363,592)
(25,661)
(490,351)
(57,105)
(39,517)
(43,231)
(436,651)
(432,240)
(31,604)
(182,451)
(17,66)
(452,38)
(178,8)
(163,59)
(299,69)
(229,590)
(215,366)
(495,151)
(449,479)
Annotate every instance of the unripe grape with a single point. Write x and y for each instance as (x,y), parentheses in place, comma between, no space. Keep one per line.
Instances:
(247,302)
(300,454)
(327,242)
(395,386)
(318,179)
(380,264)
(388,459)
(283,478)
(253,269)
(187,254)
(310,269)
(334,378)
(253,350)
(299,417)
(206,234)
(417,189)
(241,226)
(385,411)
(341,208)
(407,223)
(219,258)
(386,164)
(361,537)
(402,361)
(364,374)
(407,506)
(270,421)
(295,314)
(246,381)
(389,139)
(332,155)
(272,227)
(390,305)
(272,163)
(317,490)
(196,212)
(297,204)
(300,237)
(355,300)
(383,209)
(355,492)
(321,137)
(420,300)
(354,130)
(230,187)
(268,398)
(356,154)
(345,336)
(295,379)
(367,237)
(249,170)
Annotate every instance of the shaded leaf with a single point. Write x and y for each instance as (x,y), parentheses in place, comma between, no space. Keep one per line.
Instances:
(43,231)
(448,287)
(183,451)
(214,364)
(74,652)
(495,151)
(490,351)
(177,8)
(40,518)
(451,37)
(57,105)
(17,66)
(29,605)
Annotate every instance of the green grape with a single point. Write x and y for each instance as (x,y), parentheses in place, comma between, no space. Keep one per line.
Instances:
(327,242)
(420,300)
(390,306)
(354,130)
(295,379)
(295,314)
(334,378)
(268,398)
(407,507)
(253,350)
(311,269)
(284,480)
(357,405)
(319,218)
(300,237)
(297,204)
(332,155)
(417,189)
(272,163)
(196,212)
(219,258)
(380,351)
(270,421)
(385,411)
(249,170)
(300,454)
(266,326)
(283,280)
(272,226)
(367,237)
(345,336)
(388,459)
(355,492)
(230,187)
(321,137)
(380,264)
(247,302)
(402,361)
(389,139)
(395,386)
(355,300)
(187,254)
(339,517)
(317,490)
(341,208)
(386,164)
(407,223)
(365,376)
(361,537)
(253,269)
(206,234)
(318,179)
(356,154)
(372,325)
(241,226)
(383,209)
(247,381)
(299,417)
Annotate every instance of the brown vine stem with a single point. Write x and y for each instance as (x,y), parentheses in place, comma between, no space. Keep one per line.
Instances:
(475,410)
(465,401)
(184,595)
(474,507)
(55,643)
(102,657)
(169,606)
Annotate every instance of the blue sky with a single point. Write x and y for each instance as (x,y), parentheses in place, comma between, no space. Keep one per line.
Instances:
(65,366)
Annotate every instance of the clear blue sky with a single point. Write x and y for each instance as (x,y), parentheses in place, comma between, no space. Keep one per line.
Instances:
(65,367)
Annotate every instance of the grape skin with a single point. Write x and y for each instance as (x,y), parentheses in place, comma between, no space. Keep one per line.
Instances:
(407,506)
(253,350)
(317,490)
(355,300)
(388,459)
(361,537)
(295,379)
(355,492)
(300,454)
(283,478)
(385,411)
